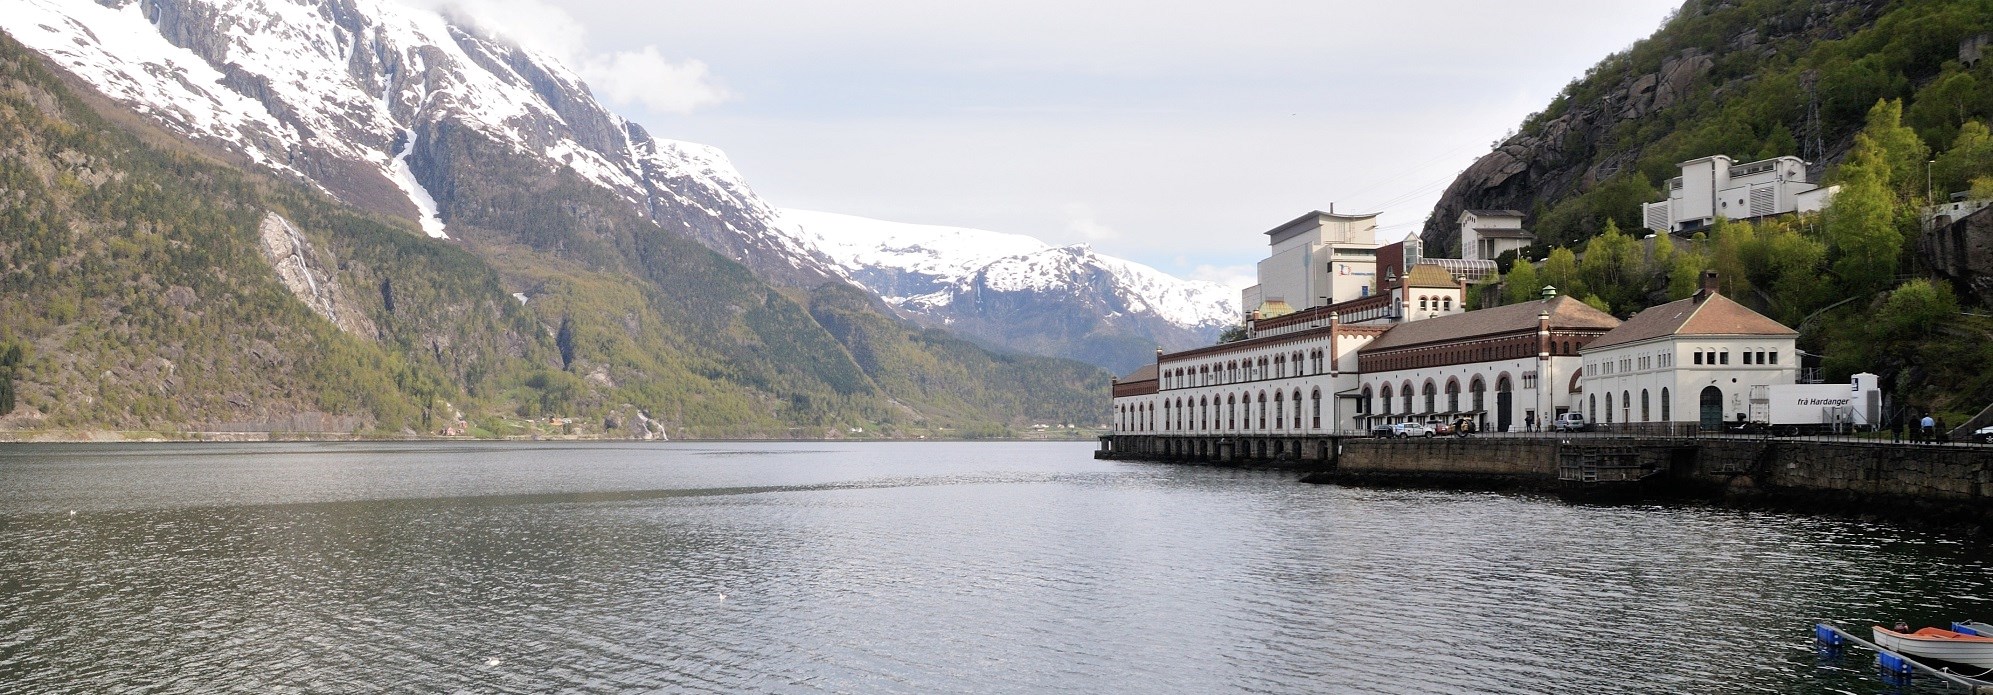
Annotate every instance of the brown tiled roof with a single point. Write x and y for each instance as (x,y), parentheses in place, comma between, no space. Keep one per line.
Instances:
(1565,313)
(1426,275)
(1145,372)
(1713,314)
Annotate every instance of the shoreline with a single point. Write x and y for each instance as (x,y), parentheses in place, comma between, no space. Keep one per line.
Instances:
(158,437)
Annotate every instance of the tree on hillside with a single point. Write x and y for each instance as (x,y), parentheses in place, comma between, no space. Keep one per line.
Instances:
(1970,157)
(10,361)
(1560,270)
(1732,244)
(1612,267)
(1902,153)
(1522,283)
(1861,221)
(1685,274)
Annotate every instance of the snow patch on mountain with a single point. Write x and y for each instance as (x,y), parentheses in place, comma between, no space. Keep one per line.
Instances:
(425,204)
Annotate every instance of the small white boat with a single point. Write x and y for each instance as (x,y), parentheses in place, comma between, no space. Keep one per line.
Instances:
(1940,644)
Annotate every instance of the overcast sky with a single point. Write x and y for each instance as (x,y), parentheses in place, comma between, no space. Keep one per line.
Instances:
(1166,132)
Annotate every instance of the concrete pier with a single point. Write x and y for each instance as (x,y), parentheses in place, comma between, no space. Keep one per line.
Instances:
(1946,485)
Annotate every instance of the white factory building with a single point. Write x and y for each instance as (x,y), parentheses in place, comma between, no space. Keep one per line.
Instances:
(1689,361)
(1404,347)
(1487,234)
(1715,186)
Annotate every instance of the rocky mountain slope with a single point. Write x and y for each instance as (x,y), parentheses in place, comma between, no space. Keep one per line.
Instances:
(1016,292)
(154,285)
(370,101)
(1761,77)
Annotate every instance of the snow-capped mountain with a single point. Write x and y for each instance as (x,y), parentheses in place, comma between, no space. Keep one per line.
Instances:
(340,93)
(368,100)
(1018,292)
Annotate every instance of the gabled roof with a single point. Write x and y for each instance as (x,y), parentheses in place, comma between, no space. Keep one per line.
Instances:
(1708,313)
(1427,275)
(1145,372)
(1565,313)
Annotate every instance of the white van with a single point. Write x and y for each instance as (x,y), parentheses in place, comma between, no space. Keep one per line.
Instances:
(1570,422)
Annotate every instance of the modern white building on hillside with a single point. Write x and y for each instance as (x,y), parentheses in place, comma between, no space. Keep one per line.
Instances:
(1690,361)
(1317,259)
(1714,186)
(1486,234)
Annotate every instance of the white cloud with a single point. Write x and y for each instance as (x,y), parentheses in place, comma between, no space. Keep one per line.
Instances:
(624,78)
(1081,220)
(645,77)
(1236,277)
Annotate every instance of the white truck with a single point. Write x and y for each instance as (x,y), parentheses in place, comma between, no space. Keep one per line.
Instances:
(1817,408)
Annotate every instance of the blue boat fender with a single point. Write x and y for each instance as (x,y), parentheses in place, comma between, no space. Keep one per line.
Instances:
(1827,635)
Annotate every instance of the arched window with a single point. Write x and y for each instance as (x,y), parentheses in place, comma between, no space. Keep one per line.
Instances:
(1644,412)
(1453,395)
(1296,400)
(1432,397)
(1231,412)
(1279,409)
(1665,415)
(1608,407)
(1422,302)
(1262,410)
(1592,404)
(1315,405)
(1166,416)
(1405,392)
(1446,303)
(1364,405)
(1625,406)
(1387,400)
(1203,414)
(1479,388)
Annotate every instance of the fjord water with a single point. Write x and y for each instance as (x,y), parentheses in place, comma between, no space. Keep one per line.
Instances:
(900,568)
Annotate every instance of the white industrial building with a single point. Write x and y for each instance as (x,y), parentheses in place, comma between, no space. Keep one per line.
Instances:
(1715,186)
(1318,258)
(1486,234)
(1696,360)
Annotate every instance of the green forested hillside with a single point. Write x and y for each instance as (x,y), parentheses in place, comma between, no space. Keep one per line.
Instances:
(134,287)
(1874,92)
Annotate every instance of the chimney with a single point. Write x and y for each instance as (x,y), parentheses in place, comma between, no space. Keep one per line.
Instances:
(1708,285)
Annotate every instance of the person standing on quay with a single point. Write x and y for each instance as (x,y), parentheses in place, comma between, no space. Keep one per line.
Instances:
(1930,429)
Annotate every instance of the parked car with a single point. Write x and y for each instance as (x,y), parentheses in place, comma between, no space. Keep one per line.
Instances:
(1411,429)
(1570,422)
(1440,428)
(1983,434)
(1384,430)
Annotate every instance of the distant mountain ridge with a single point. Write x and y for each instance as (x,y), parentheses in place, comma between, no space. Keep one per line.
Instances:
(369,101)
(1017,292)
(585,288)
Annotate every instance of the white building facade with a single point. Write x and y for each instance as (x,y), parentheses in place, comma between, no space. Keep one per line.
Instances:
(1487,234)
(1504,369)
(1316,259)
(1715,186)
(1693,361)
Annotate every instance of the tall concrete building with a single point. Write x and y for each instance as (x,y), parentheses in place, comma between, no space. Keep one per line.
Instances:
(1317,259)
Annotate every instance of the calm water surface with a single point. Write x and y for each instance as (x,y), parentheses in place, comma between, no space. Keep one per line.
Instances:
(900,568)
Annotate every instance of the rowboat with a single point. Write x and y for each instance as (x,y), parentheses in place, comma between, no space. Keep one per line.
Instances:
(1973,627)
(1940,644)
